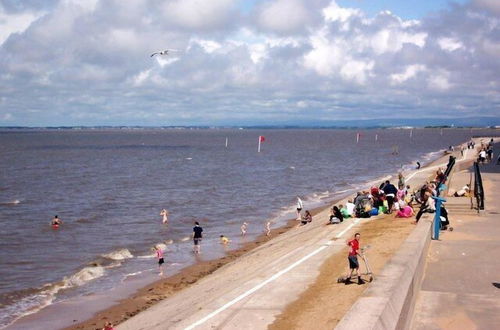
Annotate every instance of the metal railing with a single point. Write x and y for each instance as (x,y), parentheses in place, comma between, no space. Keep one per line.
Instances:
(478,187)
(449,167)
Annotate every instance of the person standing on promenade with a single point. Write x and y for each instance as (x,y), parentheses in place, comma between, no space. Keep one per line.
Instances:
(159,255)
(197,236)
(353,258)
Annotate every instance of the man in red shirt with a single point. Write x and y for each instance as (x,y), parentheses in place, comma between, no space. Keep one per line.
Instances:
(353,258)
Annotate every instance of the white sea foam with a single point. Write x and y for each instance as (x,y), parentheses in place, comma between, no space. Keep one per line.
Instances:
(84,275)
(35,302)
(120,254)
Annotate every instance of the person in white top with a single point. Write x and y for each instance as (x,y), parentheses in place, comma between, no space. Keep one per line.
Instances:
(482,156)
(300,206)
(350,207)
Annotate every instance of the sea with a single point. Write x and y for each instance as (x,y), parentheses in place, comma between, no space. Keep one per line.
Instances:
(108,186)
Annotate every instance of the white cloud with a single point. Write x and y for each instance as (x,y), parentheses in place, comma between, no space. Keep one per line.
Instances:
(336,13)
(357,71)
(141,77)
(209,46)
(391,40)
(439,81)
(282,57)
(326,55)
(284,16)
(86,5)
(199,14)
(450,44)
(15,23)
(410,72)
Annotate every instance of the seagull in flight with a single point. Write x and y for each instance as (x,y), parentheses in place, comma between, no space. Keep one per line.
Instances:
(164,52)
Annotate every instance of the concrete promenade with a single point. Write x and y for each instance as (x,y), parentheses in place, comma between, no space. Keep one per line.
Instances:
(461,284)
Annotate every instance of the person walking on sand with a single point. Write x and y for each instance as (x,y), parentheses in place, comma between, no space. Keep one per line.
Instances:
(268,228)
(164,213)
(243,229)
(159,255)
(353,259)
(197,236)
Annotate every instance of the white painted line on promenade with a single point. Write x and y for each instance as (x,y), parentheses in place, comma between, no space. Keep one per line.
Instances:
(355,222)
(255,288)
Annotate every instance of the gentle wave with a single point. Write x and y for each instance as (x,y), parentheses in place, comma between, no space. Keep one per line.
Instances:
(120,254)
(46,294)
(12,203)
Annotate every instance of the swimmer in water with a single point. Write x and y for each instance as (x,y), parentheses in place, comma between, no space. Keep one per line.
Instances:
(224,240)
(244,228)
(268,228)
(164,213)
(56,221)
(159,255)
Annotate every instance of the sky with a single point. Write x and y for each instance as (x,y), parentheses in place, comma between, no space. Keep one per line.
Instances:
(247,62)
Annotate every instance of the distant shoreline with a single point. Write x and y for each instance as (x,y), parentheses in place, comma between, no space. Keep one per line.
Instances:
(222,127)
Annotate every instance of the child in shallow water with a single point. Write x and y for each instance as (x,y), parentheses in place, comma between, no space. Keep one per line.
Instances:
(159,255)
(224,240)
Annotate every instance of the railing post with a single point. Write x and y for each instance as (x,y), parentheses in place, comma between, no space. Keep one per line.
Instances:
(437,217)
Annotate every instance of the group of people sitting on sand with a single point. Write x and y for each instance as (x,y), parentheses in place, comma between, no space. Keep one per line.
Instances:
(383,199)
(388,199)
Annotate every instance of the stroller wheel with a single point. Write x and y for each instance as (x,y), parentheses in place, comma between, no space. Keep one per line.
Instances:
(450,228)
(340,280)
(371,278)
